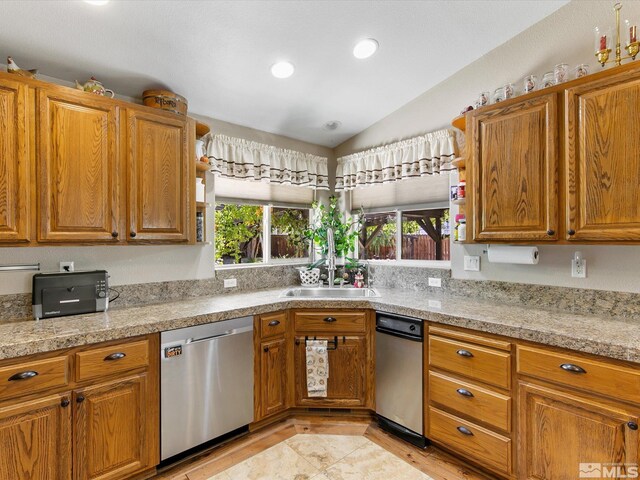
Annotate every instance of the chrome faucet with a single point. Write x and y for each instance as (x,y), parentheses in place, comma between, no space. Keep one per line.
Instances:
(331,256)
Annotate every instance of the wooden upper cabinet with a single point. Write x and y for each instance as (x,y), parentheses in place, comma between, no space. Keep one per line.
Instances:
(78,168)
(35,439)
(603,159)
(559,431)
(514,171)
(161,174)
(15,188)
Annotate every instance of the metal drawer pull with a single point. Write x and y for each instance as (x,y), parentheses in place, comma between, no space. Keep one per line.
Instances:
(64,403)
(465,353)
(632,425)
(465,431)
(464,392)
(115,356)
(23,375)
(329,319)
(274,323)
(570,367)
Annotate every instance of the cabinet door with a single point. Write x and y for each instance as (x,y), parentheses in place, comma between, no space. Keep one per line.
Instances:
(603,161)
(78,168)
(15,188)
(561,433)
(35,439)
(514,171)
(346,386)
(112,430)
(162,172)
(273,368)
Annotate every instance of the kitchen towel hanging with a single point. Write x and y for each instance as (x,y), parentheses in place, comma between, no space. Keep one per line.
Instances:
(317,367)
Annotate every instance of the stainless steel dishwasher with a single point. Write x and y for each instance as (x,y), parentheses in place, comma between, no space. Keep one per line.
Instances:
(206,383)
(399,376)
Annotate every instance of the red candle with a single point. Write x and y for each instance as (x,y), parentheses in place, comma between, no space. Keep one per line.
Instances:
(632,34)
(603,42)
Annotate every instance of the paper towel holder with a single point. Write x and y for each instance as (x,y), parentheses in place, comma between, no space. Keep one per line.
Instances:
(536,252)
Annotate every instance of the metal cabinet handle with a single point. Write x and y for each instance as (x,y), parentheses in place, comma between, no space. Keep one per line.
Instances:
(551,232)
(266,349)
(465,353)
(632,425)
(115,356)
(571,231)
(64,403)
(114,234)
(465,431)
(132,234)
(80,398)
(570,367)
(274,323)
(464,392)
(23,375)
(330,320)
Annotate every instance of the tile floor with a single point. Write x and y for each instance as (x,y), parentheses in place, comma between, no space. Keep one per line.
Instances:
(323,457)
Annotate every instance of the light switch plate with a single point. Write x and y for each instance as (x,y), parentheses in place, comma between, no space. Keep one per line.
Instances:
(230,282)
(472,263)
(66,267)
(435,282)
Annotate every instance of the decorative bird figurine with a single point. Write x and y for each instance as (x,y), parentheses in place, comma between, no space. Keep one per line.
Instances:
(13,68)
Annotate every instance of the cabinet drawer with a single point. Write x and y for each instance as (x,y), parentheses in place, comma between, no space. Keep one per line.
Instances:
(113,359)
(575,371)
(471,400)
(343,322)
(487,447)
(272,324)
(480,363)
(29,377)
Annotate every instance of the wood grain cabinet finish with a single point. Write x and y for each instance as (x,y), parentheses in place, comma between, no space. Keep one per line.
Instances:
(15,188)
(35,439)
(514,171)
(603,160)
(273,382)
(161,174)
(347,383)
(111,428)
(78,168)
(558,431)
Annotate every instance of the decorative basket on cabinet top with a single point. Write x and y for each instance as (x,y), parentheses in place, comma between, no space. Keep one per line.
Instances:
(165,100)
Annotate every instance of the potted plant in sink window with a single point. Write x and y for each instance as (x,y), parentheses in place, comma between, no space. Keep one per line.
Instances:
(345,233)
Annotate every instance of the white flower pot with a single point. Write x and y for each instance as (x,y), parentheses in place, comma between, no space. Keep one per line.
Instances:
(309,278)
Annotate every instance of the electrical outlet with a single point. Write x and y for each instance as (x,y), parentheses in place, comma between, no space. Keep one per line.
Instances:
(435,282)
(472,263)
(230,282)
(66,266)
(579,268)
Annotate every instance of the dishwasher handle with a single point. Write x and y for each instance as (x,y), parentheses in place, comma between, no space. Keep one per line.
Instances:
(227,333)
(396,333)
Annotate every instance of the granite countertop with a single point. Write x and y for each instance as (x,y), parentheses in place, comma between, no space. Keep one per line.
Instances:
(602,335)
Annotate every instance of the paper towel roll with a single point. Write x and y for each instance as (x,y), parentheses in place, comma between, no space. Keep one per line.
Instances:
(509,254)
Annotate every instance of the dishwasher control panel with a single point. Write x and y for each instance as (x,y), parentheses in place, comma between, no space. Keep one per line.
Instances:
(399,324)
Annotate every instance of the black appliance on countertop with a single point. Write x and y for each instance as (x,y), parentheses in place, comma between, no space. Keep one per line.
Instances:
(59,294)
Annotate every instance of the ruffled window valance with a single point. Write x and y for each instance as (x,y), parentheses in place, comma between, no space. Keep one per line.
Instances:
(242,159)
(429,154)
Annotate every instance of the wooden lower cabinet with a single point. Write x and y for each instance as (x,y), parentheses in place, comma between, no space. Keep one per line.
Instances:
(559,431)
(111,429)
(273,384)
(35,439)
(347,383)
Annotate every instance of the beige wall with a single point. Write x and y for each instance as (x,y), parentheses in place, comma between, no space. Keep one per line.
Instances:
(140,264)
(565,36)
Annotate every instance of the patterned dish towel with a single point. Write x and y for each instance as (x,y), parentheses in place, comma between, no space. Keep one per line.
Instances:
(317,368)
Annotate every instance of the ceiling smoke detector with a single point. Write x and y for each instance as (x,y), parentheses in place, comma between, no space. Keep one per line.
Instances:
(282,69)
(332,125)
(365,48)
(97,2)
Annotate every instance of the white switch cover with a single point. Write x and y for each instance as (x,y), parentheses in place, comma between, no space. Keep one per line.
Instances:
(230,282)
(435,282)
(66,267)
(472,263)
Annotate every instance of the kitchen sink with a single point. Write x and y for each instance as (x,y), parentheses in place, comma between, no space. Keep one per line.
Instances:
(326,292)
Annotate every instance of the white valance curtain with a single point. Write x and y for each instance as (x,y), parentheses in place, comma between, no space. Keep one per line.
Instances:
(429,154)
(242,159)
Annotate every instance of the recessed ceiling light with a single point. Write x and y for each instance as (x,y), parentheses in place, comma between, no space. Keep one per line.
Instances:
(282,69)
(97,2)
(365,48)
(332,125)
